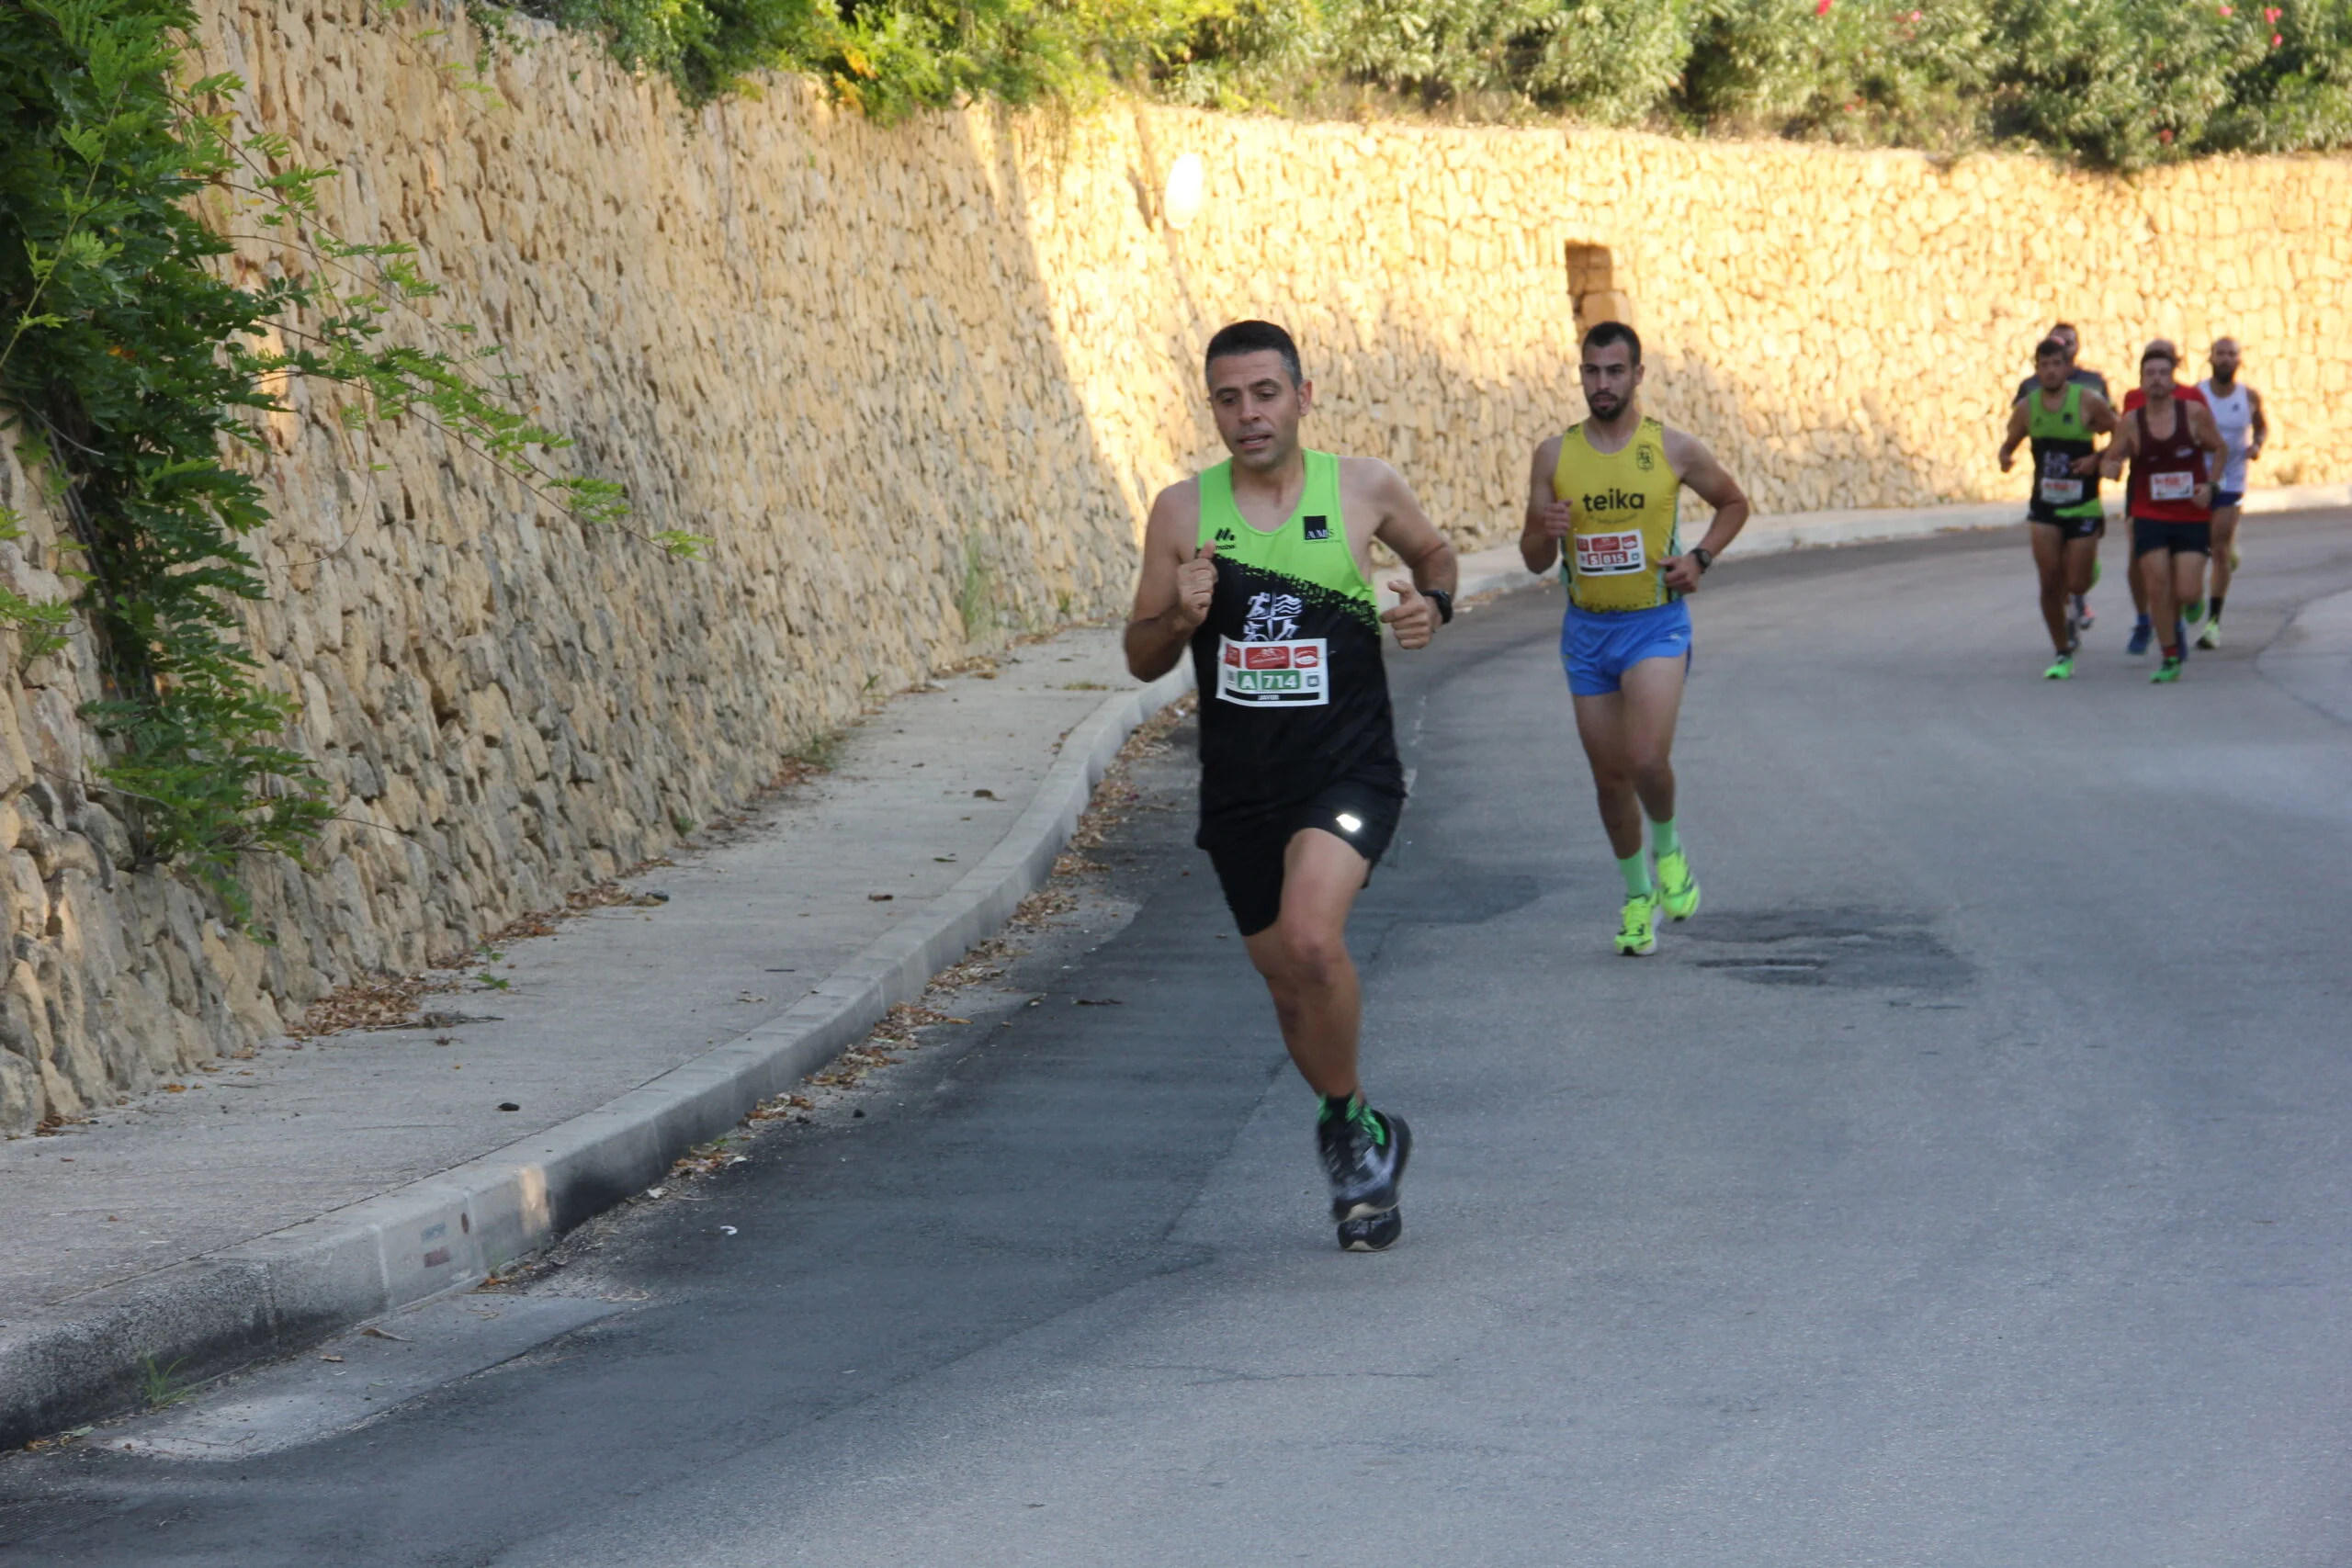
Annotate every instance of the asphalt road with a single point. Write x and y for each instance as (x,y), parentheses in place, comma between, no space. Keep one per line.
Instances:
(1967,1184)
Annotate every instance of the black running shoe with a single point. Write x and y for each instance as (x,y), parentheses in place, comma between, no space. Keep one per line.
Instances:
(1364,1153)
(1374,1233)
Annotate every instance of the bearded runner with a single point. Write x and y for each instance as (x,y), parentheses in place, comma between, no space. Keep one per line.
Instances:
(2062,417)
(2174,451)
(2237,414)
(1601,502)
(1262,568)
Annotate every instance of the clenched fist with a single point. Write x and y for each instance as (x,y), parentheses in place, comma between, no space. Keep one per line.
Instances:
(1414,619)
(1195,586)
(1559,519)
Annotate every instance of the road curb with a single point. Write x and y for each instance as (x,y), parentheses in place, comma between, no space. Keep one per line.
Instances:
(86,1357)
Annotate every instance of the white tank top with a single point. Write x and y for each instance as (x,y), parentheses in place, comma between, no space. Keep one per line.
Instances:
(2233,416)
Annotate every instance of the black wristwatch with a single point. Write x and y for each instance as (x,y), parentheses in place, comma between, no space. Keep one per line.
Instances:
(1444,602)
(1699,553)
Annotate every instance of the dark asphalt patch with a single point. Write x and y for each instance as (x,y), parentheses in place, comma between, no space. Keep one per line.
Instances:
(1854,949)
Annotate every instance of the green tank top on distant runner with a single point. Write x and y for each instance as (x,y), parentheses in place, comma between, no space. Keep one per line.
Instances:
(2059,438)
(1293,690)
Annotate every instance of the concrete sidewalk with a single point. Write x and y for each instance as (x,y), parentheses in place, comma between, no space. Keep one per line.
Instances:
(276,1200)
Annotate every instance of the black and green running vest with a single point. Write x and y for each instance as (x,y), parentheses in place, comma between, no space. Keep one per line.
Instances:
(1294,695)
(2058,439)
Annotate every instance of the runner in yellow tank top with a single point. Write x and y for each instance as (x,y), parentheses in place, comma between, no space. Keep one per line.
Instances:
(1622,529)
(1600,502)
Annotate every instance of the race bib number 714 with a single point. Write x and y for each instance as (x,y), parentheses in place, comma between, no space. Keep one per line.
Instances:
(1273,675)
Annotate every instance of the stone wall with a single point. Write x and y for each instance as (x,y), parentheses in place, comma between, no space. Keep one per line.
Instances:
(918,385)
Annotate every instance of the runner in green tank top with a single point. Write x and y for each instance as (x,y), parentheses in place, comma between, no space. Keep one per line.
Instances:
(2061,418)
(1262,569)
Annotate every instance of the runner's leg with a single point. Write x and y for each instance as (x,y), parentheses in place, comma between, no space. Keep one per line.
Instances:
(2082,562)
(1601,726)
(2051,561)
(2225,535)
(2153,572)
(2187,576)
(1652,691)
(1303,957)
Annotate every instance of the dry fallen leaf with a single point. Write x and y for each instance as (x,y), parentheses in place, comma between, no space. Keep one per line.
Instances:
(375,1333)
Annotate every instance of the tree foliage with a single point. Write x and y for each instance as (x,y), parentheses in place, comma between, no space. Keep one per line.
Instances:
(133,362)
(2113,82)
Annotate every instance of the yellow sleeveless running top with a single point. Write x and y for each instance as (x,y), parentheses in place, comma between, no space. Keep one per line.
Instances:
(1626,520)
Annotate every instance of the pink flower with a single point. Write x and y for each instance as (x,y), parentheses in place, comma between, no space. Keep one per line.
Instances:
(1821,8)
(2275,41)
(2165,136)
(2271,14)
(2229,11)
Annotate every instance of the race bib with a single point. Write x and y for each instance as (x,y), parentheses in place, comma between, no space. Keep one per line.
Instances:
(1609,554)
(1273,675)
(2177,485)
(2061,492)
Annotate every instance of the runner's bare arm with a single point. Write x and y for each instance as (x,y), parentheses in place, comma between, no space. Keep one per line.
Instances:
(2208,436)
(2100,420)
(1172,591)
(2259,432)
(1697,469)
(1548,517)
(1420,547)
(2015,436)
(2110,462)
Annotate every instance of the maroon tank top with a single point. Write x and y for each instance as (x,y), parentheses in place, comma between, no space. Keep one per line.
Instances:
(2167,471)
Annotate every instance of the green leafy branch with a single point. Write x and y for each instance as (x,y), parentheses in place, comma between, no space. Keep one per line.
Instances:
(134,366)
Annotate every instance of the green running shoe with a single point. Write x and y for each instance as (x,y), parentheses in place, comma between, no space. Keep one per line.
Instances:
(2166,673)
(2211,635)
(1638,926)
(2195,613)
(2061,670)
(1677,890)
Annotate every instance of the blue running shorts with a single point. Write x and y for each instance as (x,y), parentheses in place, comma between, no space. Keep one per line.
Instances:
(1598,647)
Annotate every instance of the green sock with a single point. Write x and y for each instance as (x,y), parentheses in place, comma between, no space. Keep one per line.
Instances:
(1635,869)
(2196,611)
(1341,1105)
(1664,838)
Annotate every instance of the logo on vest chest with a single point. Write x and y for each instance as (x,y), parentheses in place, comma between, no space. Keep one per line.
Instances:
(1613,500)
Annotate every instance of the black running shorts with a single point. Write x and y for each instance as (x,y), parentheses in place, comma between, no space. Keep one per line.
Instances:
(2074,527)
(1361,809)
(2180,538)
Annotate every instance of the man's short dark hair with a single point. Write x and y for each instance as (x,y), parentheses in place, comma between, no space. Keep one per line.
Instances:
(1254,338)
(2052,345)
(2156,352)
(2067,327)
(1603,333)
